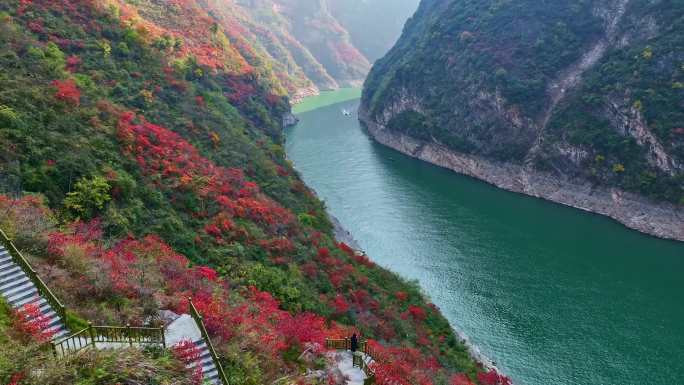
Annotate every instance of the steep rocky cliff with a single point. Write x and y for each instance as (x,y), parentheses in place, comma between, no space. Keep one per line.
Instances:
(578,102)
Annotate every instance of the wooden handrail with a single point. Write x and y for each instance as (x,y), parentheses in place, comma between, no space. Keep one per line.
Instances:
(92,335)
(357,360)
(43,289)
(200,324)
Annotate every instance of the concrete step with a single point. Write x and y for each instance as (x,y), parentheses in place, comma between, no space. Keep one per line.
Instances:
(205,362)
(59,330)
(12,277)
(24,298)
(4,254)
(60,334)
(4,258)
(15,280)
(13,291)
(7,265)
(44,306)
(212,377)
(54,321)
(10,270)
(209,370)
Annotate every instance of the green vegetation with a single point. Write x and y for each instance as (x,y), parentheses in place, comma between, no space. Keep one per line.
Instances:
(156,172)
(19,357)
(480,74)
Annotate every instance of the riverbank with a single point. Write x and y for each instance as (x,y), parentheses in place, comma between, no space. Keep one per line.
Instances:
(662,220)
(552,294)
(343,235)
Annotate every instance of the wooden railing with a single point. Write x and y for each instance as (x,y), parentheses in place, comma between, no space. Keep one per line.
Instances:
(44,291)
(71,344)
(357,359)
(200,324)
(93,335)
(338,344)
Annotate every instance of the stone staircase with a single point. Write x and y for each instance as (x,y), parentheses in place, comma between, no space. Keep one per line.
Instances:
(209,371)
(18,290)
(184,328)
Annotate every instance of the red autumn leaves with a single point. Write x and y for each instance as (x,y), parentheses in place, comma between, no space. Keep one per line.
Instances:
(67,92)
(174,165)
(30,321)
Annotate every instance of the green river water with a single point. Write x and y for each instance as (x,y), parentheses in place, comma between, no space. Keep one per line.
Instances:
(553,295)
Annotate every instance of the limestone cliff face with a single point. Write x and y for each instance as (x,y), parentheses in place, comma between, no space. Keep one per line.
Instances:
(662,219)
(579,104)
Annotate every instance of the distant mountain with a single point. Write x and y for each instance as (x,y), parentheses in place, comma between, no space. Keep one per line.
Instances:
(330,43)
(374,25)
(579,102)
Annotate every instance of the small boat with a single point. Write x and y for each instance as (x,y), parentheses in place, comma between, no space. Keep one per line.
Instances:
(346,112)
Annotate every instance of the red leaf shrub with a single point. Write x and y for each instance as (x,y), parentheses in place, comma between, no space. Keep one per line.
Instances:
(72,63)
(30,321)
(188,353)
(16,379)
(208,273)
(176,166)
(493,378)
(346,249)
(340,304)
(460,379)
(67,92)
(417,312)
(403,366)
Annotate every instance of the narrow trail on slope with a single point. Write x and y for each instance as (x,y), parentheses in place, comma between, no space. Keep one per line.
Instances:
(571,77)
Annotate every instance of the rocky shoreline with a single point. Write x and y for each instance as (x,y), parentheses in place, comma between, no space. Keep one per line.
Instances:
(659,219)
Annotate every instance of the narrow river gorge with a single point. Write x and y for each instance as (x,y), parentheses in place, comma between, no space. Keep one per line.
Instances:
(552,294)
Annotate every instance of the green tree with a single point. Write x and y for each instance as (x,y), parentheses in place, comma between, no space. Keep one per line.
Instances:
(89,197)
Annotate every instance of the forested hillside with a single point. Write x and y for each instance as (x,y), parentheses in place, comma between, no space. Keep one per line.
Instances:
(542,95)
(142,164)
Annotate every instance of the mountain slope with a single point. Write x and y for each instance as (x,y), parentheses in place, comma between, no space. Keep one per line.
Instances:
(576,102)
(142,163)
(329,42)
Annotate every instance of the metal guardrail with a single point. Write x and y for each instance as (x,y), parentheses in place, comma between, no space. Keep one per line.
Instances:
(45,291)
(200,324)
(93,335)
